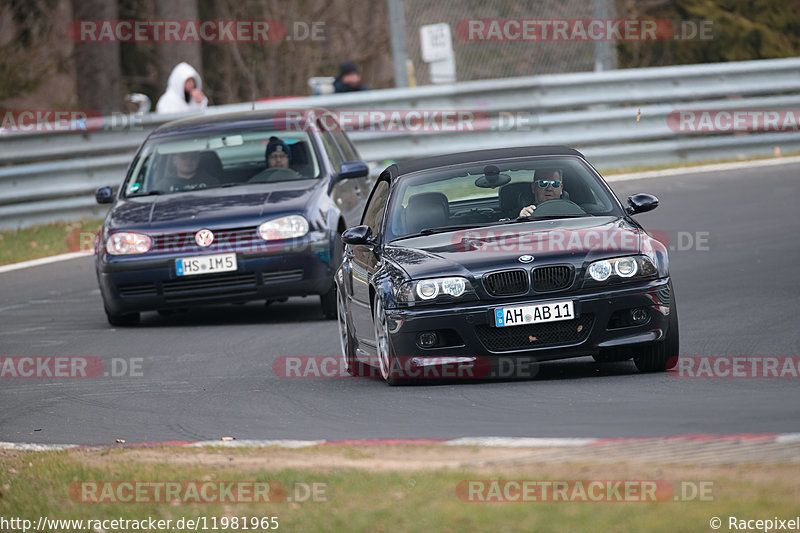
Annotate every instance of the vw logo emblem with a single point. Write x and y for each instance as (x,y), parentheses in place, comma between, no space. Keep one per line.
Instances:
(204,238)
(525,258)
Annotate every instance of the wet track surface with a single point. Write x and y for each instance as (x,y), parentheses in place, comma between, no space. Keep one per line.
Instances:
(209,373)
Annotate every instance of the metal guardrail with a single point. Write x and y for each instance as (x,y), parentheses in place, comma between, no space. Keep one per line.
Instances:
(617,118)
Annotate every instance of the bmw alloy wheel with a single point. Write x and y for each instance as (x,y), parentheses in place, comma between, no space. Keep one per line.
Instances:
(382,341)
(342,319)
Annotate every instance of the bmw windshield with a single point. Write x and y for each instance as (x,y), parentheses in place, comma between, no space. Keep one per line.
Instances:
(503,191)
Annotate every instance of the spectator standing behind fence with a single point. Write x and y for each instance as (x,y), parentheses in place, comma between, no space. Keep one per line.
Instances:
(184,91)
(349,79)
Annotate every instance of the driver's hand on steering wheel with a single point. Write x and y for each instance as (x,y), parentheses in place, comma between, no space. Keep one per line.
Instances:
(527,211)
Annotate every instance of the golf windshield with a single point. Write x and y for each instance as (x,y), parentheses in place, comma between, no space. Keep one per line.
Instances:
(221,159)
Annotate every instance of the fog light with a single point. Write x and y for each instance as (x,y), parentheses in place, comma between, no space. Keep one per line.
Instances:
(639,315)
(429,339)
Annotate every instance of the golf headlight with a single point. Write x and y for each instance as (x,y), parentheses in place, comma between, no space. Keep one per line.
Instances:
(128,243)
(621,268)
(429,289)
(288,227)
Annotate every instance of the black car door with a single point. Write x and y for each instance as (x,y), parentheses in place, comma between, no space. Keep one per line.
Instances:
(364,261)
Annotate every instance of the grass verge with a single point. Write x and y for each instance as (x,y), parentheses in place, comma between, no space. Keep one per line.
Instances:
(368,497)
(47,240)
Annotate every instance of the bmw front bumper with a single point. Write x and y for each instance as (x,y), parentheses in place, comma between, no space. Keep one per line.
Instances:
(602,322)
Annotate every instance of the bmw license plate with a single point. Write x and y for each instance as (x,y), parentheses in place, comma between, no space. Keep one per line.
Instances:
(533,314)
(205,264)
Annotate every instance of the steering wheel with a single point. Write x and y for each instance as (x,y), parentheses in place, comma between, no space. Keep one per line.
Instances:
(558,206)
(275,174)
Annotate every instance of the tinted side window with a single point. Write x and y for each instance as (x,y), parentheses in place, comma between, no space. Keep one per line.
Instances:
(332,150)
(349,151)
(373,214)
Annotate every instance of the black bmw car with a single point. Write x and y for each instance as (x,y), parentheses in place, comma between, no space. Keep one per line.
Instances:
(509,254)
(227,209)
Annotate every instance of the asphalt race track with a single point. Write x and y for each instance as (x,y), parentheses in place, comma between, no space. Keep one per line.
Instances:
(208,373)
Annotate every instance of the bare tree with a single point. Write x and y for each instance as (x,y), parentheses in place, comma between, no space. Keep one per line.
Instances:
(170,54)
(25,29)
(98,63)
(341,30)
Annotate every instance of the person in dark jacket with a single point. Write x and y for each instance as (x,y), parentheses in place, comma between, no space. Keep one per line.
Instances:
(188,174)
(349,79)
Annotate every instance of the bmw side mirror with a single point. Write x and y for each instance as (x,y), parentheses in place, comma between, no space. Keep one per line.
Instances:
(104,195)
(353,169)
(641,203)
(358,235)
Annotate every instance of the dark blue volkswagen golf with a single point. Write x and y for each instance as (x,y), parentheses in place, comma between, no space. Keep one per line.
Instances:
(228,209)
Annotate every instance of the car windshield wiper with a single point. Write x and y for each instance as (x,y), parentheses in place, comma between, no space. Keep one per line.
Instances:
(532,218)
(443,229)
(148,193)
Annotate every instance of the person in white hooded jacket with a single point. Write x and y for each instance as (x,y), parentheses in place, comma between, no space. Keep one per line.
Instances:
(184,91)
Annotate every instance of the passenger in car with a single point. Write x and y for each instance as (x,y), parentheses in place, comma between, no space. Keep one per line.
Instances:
(278,153)
(546,185)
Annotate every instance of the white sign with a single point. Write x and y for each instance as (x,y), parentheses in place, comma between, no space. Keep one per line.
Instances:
(437,44)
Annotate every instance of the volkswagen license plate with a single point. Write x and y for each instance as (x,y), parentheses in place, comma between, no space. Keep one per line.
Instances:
(205,264)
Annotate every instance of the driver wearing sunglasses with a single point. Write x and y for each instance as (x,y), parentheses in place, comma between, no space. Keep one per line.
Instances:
(547,185)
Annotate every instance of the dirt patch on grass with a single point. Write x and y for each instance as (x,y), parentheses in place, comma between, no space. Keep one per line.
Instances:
(318,459)
(578,463)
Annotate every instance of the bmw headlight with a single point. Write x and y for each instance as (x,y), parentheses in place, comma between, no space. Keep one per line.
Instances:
(600,270)
(426,290)
(128,243)
(621,268)
(288,227)
(626,267)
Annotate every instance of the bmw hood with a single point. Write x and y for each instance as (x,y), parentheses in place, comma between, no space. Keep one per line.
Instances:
(479,250)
